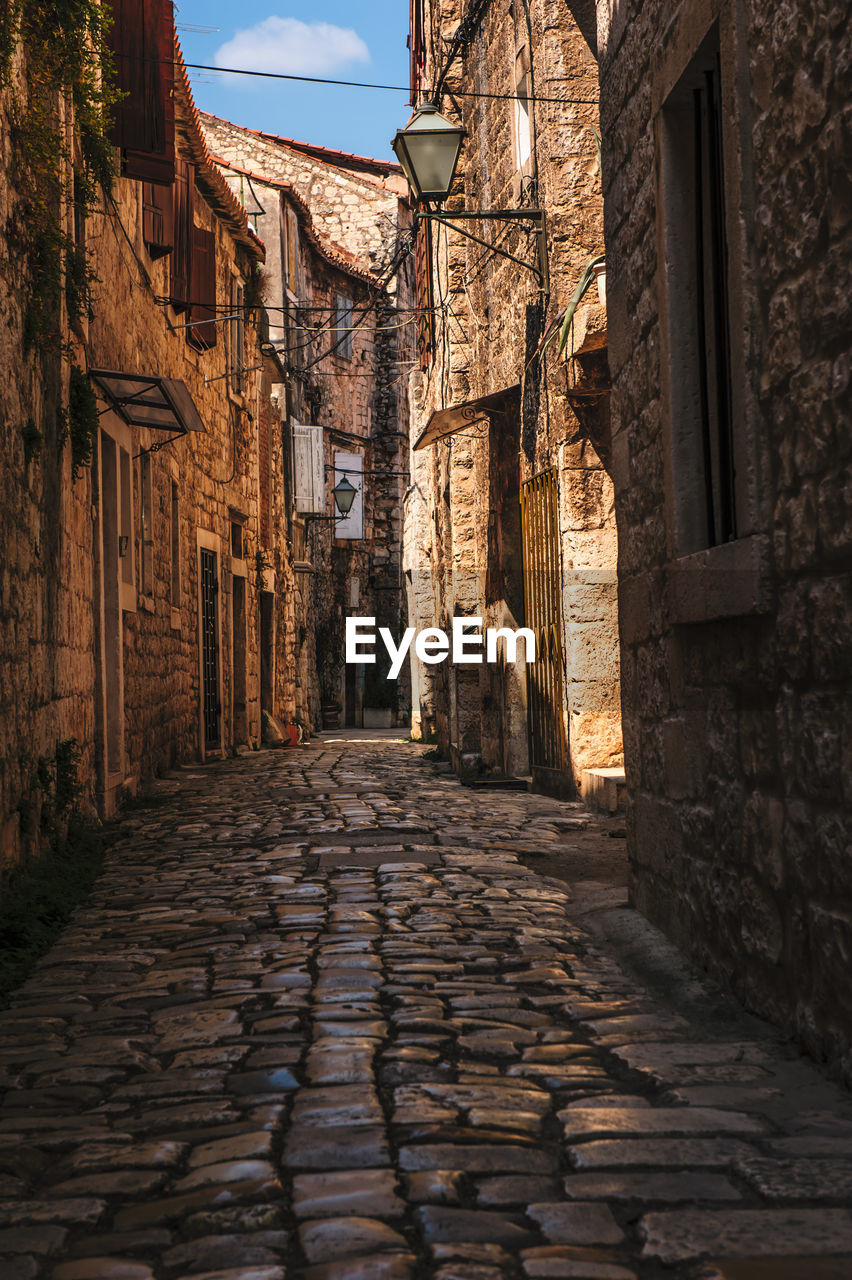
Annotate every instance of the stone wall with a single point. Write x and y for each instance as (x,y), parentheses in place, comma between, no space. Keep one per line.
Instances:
(125,682)
(490,316)
(736,658)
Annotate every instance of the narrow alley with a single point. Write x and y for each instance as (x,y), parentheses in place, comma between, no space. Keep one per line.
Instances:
(323,1017)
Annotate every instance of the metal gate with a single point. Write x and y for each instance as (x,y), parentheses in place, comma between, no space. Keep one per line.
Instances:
(543,606)
(210,649)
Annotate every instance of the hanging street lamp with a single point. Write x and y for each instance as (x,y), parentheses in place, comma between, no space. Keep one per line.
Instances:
(344,495)
(428,150)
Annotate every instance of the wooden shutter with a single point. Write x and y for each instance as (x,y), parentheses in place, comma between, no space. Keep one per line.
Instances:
(158,219)
(318,461)
(142,40)
(237,337)
(423,286)
(203,290)
(416,48)
(308,467)
(181,259)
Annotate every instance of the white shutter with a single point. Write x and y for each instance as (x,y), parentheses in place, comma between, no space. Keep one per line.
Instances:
(318,463)
(308,468)
(352,466)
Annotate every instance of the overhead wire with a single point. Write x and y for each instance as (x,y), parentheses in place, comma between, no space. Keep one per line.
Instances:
(393,88)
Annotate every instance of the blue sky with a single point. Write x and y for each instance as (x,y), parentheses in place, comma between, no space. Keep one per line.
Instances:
(324,38)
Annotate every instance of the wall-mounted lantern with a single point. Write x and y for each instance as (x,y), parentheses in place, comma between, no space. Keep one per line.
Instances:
(428,150)
(344,495)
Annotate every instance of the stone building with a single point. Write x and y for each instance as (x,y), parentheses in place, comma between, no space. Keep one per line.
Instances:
(337,288)
(147,591)
(728,230)
(510,515)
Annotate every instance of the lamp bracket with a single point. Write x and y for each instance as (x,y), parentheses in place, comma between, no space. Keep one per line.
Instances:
(536,216)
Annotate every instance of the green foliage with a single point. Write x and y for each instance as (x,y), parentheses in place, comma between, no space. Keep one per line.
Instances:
(65,58)
(39,896)
(562,322)
(67,782)
(256,287)
(82,420)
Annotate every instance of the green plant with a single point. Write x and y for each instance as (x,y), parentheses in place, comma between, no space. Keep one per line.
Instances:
(39,894)
(564,319)
(82,420)
(261,564)
(256,287)
(65,60)
(67,783)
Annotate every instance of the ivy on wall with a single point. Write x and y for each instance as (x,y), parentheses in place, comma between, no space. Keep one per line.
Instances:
(66,64)
(56,79)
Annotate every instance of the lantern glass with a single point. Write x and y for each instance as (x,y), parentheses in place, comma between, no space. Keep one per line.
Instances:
(344,495)
(428,149)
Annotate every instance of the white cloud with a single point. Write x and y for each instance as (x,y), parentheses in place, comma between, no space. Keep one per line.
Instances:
(291,47)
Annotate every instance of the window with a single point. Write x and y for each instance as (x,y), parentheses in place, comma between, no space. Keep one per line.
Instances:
(522,117)
(204,332)
(236,338)
(174,530)
(180,262)
(142,42)
(146,509)
(158,219)
(236,540)
(696,265)
(343,307)
(291,249)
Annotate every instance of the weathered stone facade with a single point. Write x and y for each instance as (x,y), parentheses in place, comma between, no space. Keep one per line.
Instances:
(541,441)
(735,632)
(102,637)
(351,244)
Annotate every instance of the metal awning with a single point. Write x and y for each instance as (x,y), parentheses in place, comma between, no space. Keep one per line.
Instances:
(445,422)
(149,400)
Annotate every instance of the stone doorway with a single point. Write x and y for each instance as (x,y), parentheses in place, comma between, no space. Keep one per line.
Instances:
(238,650)
(267,651)
(117,595)
(210,700)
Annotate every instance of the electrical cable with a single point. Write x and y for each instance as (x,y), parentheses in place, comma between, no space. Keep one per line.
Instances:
(357,84)
(394,88)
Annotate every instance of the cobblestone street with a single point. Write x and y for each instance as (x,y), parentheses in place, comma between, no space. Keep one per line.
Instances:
(324,1018)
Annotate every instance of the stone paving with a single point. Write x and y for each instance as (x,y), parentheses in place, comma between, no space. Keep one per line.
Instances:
(320,1021)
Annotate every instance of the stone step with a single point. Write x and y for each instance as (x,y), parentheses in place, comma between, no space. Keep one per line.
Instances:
(604,789)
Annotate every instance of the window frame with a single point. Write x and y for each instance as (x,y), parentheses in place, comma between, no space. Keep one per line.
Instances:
(523,128)
(731,578)
(236,338)
(344,308)
(175,575)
